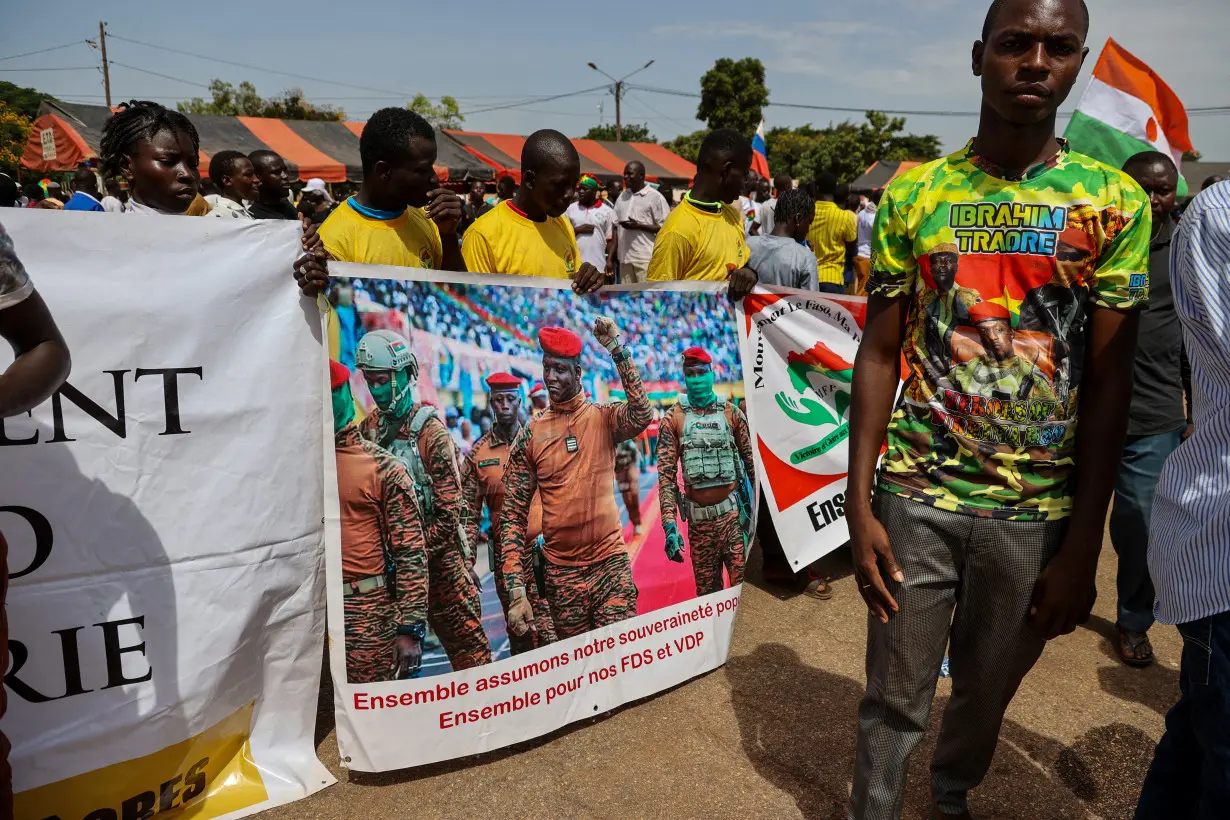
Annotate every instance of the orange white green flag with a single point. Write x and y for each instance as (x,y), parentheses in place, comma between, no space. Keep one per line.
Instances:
(1126,109)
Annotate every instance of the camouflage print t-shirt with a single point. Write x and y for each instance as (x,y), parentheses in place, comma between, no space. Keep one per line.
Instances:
(1002,274)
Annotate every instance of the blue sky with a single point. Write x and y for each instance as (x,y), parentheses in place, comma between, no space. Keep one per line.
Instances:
(907,54)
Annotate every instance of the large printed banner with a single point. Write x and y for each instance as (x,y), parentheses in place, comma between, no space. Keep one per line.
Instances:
(164,524)
(500,564)
(798,353)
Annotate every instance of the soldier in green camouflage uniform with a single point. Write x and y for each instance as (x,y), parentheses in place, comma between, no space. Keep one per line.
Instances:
(999,373)
(710,438)
(567,456)
(413,433)
(384,553)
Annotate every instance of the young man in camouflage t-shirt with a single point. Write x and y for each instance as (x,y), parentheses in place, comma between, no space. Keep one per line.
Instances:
(1008,274)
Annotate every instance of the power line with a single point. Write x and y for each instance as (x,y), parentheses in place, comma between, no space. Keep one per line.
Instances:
(43,50)
(534,100)
(56,68)
(156,74)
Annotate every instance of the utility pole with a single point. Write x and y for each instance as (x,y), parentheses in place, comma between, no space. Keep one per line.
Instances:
(619,91)
(102,44)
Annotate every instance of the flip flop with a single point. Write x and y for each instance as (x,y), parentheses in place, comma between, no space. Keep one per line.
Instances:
(1135,648)
(818,588)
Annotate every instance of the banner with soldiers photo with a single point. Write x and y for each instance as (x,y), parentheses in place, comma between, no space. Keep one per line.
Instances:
(538,504)
(798,354)
(164,526)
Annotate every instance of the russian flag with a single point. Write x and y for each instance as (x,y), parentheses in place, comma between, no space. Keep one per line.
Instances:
(760,156)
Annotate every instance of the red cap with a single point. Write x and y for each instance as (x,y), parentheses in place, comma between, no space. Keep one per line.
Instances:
(539,389)
(558,341)
(339,374)
(697,354)
(503,381)
(983,311)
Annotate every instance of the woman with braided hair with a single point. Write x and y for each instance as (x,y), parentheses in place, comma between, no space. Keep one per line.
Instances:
(157,151)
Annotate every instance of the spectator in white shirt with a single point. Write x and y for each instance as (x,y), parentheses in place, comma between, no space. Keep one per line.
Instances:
(236,178)
(766,212)
(639,214)
(112,203)
(865,218)
(593,223)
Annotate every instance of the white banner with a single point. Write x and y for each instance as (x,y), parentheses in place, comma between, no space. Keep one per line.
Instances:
(798,359)
(617,618)
(164,523)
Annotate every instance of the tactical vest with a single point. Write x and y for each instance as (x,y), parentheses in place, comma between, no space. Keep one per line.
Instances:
(407,451)
(708,446)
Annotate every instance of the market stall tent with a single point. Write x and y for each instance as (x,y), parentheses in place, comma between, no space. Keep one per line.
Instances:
(599,158)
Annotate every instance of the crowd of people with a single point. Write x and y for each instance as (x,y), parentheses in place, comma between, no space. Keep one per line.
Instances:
(1021,360)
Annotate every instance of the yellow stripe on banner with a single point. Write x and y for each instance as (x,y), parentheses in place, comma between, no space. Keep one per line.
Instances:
(205,776)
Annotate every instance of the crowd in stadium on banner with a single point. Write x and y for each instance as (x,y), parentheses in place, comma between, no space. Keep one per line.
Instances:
(976,535)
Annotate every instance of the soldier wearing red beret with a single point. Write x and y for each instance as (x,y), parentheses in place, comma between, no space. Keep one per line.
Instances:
(385,613)
(567,456)
(482,482)
(999,372)
(710,437)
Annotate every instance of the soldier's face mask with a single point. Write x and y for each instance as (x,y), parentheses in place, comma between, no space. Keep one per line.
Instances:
(700,389)
(343,407)
(394,396)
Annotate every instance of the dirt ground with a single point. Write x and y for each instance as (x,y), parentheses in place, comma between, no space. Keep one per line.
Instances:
(771,734)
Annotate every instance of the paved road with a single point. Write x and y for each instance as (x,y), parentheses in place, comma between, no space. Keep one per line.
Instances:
(771,735)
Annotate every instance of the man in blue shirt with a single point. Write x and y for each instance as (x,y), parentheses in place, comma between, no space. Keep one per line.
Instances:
(1189,558)
(85,190)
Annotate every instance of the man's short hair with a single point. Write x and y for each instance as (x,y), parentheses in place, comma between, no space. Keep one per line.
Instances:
(387,135)
(826,183)
(8,191)
(260,155)
(794,203)
(1149,159)
(222,164)
(997,6)
(85,181)
(723,144)
(548,147)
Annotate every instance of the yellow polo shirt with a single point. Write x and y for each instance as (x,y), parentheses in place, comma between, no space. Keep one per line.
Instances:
(831,229)
(409,241)
(699,243)
(504,240)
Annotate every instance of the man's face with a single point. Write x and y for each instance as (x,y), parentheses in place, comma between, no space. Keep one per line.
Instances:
(505,404)
(506,189)
(273,176)
(164,172)
(693,369)
(586,195)
(996,339)
(634,178)
(562,378)
(477,191)
(764,189)
(1031,58)
(243,180)
(377,378)
(1161,184)
(551,187)
(413,175)
(734,179)
(539,401)
(944,270)
(1070,263)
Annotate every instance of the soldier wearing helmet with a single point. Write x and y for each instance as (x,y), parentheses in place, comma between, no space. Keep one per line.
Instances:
(710,437)
(414,433)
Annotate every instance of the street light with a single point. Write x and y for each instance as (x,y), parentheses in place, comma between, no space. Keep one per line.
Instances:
(619,85)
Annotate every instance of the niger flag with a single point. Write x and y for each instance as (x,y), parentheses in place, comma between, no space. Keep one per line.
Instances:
(1128,109)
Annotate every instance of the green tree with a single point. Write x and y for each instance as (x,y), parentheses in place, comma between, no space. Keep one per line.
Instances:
(24,101)
(733,94)
(687,145)
(445,115)
(228,101)
(632,132)
(15,130)
(846,149)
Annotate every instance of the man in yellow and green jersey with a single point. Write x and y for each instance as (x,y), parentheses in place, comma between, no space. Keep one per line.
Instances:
(703,238)
(529,235)
(399,216)
(831,229)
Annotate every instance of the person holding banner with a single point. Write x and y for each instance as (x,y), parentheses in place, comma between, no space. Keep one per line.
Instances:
(567,456)
(710,438)
(400,215)
(529,235)
(156,151)
(989,508)
(482,482)
(415,435)
(703,238)
(40,365)
(384,551)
